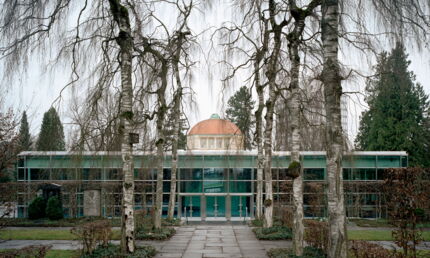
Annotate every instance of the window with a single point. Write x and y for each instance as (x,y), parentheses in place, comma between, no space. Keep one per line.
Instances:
(39,174)
(219,143)
(21,174)
(211,143)
(226,142)
(313,173)
(346,174)
(63,174)
(240,174)
(203,143)
(91,174)
(363,174)
(388,161)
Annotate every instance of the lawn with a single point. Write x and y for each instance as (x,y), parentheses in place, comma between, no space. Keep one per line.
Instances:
(382,223)
(50,234)
(44,234)
(377,235)
(58,253)
(66,222)
(61,254)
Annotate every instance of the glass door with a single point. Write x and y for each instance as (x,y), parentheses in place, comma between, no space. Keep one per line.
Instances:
(240,206)
(215,206)
(191,206)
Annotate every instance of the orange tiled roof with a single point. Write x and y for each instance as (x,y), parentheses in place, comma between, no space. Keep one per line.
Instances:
(215,126)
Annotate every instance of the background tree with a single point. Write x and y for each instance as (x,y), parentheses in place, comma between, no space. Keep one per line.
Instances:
(239,112)
(8,144)
(24,137)
(51,136)
(395,119)
(408,198)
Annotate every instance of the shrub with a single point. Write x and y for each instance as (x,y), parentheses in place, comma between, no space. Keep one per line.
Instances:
(93,234)
(171,222)
(54,208)
(308,252)
(364,249)
(154,234)
(287,217)
(142,220)
(36,209)
(316,234)
(406,196)
(257,223)
(115,251)
(273,233)
(33,251)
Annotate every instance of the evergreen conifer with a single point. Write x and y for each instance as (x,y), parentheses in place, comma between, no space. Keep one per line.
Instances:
(54,208)
(51,136)
(24,137)
(239,111)
(397,110)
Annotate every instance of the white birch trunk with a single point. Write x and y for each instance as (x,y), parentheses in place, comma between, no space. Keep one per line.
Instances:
(268,200)
(298,228)
(332,93)
(176,130)
(259,128)
(271,75)
(125,42)
(162,108)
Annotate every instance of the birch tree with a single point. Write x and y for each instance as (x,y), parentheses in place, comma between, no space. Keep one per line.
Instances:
(266,43)
(332,91)
(177,101)
(399,18)
(97,40)
(294,39)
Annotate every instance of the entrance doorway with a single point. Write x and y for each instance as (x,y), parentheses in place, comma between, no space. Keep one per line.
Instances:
(216,207)
(191,206)
(240,206)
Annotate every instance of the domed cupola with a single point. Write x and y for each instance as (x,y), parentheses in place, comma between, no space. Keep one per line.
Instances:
(215,134)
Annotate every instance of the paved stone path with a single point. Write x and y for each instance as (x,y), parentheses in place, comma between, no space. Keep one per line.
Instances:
(216,241)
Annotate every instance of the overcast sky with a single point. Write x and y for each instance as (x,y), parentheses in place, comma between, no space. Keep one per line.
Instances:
(36,91)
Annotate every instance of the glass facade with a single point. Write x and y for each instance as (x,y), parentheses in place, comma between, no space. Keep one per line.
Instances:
(209,185)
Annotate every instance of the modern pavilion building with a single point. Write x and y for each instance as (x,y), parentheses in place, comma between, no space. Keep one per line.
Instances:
(216,178)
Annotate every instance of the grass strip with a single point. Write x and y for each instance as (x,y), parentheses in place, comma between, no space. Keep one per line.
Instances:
(377,235)
(44,234)
(55,253)
(55,234)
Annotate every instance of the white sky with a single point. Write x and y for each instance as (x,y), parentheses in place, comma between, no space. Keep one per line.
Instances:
(36,91)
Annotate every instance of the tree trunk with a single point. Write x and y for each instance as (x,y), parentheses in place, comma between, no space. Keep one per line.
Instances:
(125,42)
(259,129)
(162,108)
(268,200)
(332,92)
(176,130)
(298,228)
(271,74)
(293,37)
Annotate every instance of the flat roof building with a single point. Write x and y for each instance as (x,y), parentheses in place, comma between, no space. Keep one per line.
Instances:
(216,178)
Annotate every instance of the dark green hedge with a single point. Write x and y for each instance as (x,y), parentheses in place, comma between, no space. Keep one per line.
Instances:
(308,252)
(115,251)
(273,233)
(36,209)
(155,234)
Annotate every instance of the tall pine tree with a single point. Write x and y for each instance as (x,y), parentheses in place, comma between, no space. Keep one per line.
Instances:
(239,111)
(51,136)
(24,137)
(397,107)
